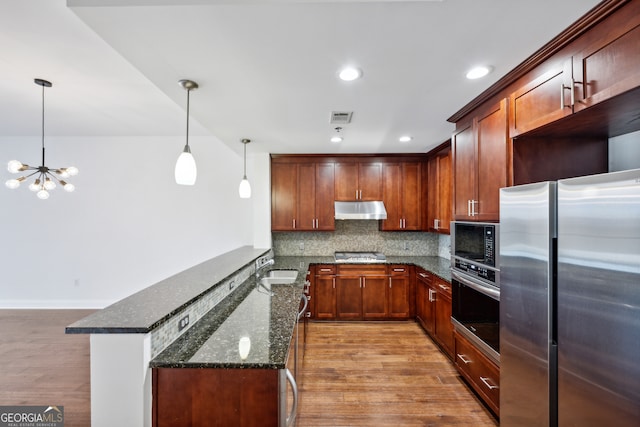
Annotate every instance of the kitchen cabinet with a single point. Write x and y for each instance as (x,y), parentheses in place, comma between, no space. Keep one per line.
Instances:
(443,326)
(425,301)
(399,303)
(439,191)
(433,309)
(480,153)
(361,292)
(358,180)
(302,196)
(481,373)
(401,194)
(596,67)
(323,292)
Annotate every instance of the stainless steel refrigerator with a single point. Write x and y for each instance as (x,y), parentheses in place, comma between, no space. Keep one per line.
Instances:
(570,302)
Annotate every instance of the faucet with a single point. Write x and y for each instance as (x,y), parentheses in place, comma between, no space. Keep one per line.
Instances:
(260,264)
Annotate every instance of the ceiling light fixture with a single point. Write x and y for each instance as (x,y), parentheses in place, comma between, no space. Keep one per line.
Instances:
(337,137)
(478,72)
(405,138)
(43,183)
(186,170)
(349,74)
(244,190)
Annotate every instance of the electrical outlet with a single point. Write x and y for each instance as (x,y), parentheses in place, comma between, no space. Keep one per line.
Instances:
(406,246)
(301,245)
(232,284)
(183,322)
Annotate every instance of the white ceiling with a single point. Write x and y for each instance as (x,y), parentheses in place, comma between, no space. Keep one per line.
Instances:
(266,68)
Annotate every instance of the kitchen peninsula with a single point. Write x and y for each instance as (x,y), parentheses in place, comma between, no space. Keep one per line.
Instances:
(142,332)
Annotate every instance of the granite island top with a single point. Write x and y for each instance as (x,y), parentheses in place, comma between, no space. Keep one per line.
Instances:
(266,318)
(149,308)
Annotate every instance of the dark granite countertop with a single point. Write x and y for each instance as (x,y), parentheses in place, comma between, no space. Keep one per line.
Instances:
(149,308)
(267,320)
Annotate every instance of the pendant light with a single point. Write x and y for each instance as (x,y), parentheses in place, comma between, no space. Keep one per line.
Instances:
(245,188)
(43,182)
(186,170)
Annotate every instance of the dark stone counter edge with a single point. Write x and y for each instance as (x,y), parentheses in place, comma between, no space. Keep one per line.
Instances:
(71,329)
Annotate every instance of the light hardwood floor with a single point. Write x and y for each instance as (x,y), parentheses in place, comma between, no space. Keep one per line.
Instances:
(354,374)
(382,374)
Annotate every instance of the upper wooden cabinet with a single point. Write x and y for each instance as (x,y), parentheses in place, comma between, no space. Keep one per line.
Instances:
(358,180)
(302,197)
(401,194)
(439,191)
(480,153)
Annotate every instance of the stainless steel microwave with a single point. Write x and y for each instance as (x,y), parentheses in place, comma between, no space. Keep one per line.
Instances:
(476,242)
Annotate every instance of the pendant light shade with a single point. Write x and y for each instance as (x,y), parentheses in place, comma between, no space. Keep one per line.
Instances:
(186,170)
(46,177)
(244,190)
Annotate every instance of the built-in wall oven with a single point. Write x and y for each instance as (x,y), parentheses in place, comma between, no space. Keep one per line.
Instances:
(475,280)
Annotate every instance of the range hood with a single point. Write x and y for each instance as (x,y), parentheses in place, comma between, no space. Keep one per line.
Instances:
(360,210)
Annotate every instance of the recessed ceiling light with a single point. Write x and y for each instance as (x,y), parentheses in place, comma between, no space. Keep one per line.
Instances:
(477,72)
(349,74)
(336,139)
(405,138)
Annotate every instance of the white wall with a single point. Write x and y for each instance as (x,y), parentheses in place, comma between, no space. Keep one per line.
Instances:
(127,225)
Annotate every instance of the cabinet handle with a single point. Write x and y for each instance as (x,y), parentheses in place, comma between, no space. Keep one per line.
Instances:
(389,282)
(562,89)
(490,386)
(356,194)
(325,269)
(473,207)
(432,295)
(469,207)
(360,195)
(436,224)
(400,221)
(294,223)
(443,287)
(334,282)
(399,269)
(423,275)
(463,358)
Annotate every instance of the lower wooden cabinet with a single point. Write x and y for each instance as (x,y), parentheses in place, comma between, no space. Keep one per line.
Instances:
(433,309)
(362,292)
(481,373)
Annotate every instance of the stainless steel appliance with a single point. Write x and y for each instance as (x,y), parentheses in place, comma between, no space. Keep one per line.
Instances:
(475,280)
(570,302)
(359,257)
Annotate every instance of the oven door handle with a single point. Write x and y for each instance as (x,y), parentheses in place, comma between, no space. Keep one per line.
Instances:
(480,287)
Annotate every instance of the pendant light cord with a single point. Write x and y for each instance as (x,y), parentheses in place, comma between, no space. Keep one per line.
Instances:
(188,92)
(245,160)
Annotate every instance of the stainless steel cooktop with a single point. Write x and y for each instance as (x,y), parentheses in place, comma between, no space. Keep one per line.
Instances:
(357,257)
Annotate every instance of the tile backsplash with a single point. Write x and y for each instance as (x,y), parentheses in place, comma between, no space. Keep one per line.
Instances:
(359,235)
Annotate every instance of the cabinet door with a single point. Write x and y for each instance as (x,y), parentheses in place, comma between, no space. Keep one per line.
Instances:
(283,196)
(444,193)
(421,297)
(374,297)
(325,209)
(348,297)
(609,65)
(543,100)
(491,159)
(346,183)
(444,327)
(392,196)
(411,200)
(464,171)
(370,181)
(325,297)
(305,220)
(399,306)
(433,194)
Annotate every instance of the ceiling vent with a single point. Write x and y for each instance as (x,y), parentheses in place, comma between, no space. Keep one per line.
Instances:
(341,117)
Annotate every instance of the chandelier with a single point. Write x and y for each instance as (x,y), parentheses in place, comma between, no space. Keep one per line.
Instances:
(46,178)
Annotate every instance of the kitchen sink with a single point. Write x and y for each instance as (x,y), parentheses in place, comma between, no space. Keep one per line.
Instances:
(280,277)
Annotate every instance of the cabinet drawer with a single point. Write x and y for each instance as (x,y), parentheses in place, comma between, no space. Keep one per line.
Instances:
(483,374)
(362,269)
(323,269)
(398,270)
(442,286)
